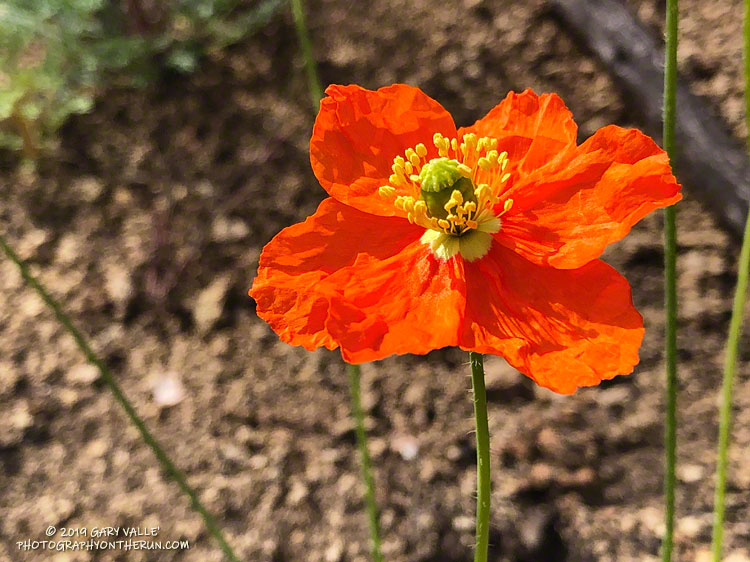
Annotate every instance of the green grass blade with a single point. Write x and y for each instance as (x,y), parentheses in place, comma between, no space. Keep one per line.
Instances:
(733,340)
(311,67)
(316,94)
(359,419)
(120,398)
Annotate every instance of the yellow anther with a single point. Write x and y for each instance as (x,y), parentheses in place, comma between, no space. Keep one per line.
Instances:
(481,191)
(420,210)
(398,173)
(386,191)
(442,144)
(456,200)
(458,215)
(484,163)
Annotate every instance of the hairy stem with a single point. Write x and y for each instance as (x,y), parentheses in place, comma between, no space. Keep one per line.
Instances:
(483,456)
(670,289)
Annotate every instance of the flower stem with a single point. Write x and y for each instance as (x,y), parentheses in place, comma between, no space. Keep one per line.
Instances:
(725,414)
(670,285)
(316,94)
(735,327)
(313,80)
(359,419)
(109,380)
(483,456)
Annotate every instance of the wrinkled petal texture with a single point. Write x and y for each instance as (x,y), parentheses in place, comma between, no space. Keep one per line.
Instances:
(355,275)
(359,281)
(531,129)
(358,133)
(563,328)
(570,202)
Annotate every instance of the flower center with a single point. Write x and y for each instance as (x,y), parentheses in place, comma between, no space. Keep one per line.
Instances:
(455,196)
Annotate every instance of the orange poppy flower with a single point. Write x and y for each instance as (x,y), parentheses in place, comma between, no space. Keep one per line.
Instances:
(484,237)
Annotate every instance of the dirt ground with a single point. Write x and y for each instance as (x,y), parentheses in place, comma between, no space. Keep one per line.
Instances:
(147,224)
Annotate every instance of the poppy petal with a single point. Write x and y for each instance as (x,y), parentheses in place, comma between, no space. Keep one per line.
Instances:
(532,129)
(566,217)
(419,298)
(349,279)
(359,132)
(563,328)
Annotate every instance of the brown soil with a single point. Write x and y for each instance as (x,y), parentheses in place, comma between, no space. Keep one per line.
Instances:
(147,223)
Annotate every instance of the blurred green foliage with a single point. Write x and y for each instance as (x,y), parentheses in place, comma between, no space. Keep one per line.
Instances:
(55,55)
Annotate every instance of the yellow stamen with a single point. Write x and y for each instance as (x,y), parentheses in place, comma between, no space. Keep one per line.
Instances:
(474,172)
(386,191)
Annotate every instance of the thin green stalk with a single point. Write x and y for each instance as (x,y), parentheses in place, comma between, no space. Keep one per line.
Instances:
(670,285)
(316,93)
(109,380)
(359,418)
(483,456)
(733,340)
(746,56)
(316,90)
(730,367)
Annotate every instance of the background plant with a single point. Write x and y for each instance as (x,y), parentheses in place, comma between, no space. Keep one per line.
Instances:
(55,55)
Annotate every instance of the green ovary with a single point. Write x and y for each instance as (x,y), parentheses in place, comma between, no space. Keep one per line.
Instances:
(438,180)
